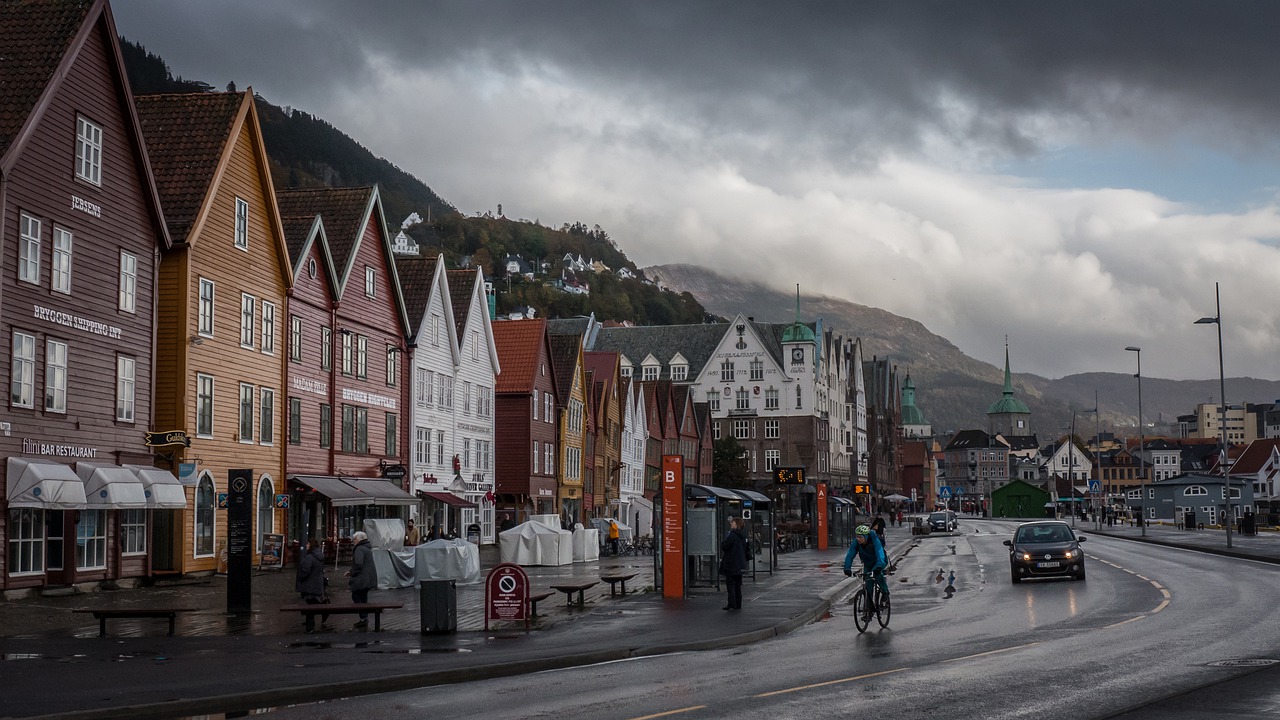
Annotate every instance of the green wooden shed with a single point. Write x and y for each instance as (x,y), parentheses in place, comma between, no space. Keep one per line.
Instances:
(1019,499)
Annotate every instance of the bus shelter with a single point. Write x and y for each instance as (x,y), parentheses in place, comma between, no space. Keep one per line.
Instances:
(759,528)
(707,512)
(842,518)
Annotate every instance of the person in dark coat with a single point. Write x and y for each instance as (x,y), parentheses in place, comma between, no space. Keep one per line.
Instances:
(311,581)
(733,562)
(364,576)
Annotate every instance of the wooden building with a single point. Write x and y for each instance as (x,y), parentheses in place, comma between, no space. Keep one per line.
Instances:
(524,418)
(82,234)
(571,380)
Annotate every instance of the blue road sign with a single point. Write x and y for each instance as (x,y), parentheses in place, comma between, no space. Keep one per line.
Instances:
(1095,486)
(944,491)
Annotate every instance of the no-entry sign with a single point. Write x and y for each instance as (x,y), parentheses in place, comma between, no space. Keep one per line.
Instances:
(506,594)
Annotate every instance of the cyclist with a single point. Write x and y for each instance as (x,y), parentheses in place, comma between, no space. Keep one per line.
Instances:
(866,545)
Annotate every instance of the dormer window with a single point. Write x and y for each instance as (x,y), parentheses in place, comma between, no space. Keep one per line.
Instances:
(679,372)
(650,373)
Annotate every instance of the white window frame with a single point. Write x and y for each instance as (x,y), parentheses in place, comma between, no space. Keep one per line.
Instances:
(88,151)
(421,446)
(204,519)
(772,458)
(22,390)
(242,225)
(55,376)
(248,311)
(726,371)
(370,281)
(206,305)
(649,373)
(757,370)
(713,400)
(326,348)
(268,327)
(742,429)
(133,531)
(393,353)
(266,416)
(128,282)
(126,388)
(772,429)
(60,265)
(362,357)
(204,400)
(742,399)
(535,403)
(679,372)
(295,338)
(91,540)
(244,433)
(266,504)
(26,532)
(771,399)
(29,229)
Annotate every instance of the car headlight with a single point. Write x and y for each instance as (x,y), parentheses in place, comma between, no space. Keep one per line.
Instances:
(1026,557)
(1070,554)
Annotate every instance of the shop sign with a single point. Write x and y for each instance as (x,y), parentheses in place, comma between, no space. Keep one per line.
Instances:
(172,437)
(36,447)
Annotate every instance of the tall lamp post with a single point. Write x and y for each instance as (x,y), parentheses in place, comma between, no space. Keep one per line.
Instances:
(1222,416)
(1142,445)
(1071,468)
(1097,456)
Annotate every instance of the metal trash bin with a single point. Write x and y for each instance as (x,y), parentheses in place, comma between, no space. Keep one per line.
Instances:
(438,601)
(1189,521)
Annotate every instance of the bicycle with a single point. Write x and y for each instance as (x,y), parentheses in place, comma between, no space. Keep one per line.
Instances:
(884,608)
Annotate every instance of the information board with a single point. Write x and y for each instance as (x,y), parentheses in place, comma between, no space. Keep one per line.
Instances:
(506,594)
(673,526)
(822,516)
(239,542)
(272,557)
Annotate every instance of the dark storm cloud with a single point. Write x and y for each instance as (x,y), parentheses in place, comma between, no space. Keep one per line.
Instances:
(850,78)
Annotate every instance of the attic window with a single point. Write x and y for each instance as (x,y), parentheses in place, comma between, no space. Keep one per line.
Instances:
(679,372)
(311,268)
(370,281)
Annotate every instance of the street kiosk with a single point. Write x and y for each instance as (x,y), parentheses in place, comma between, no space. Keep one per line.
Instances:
(707,512)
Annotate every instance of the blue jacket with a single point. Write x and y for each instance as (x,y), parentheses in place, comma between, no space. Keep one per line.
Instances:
(872,554)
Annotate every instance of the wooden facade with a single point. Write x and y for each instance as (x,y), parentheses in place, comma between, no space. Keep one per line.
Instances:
(571,380)
(524,416)
(222,313)
(603,373)
(82,231)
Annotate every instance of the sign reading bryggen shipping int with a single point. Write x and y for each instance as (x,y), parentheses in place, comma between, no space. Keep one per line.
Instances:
(673,526)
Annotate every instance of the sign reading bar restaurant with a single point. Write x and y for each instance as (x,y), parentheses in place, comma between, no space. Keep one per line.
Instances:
(673,526)
(35,447)
(172,437)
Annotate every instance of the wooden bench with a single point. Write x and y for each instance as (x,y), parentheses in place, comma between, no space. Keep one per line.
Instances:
(536,598)
(616,579)
(570,588)
(309,611)
(103,614)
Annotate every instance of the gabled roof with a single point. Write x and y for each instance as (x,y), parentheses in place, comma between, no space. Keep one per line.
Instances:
(1255,456)
(462,285)
(301,232)
(36,38)
(345,212)
(187,134)
(564,358)
(968,439)
(695,342)
(604,365)
(416,275)
(519,346)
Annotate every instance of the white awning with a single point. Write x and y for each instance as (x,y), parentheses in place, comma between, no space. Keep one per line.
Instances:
(43,484)
(163,490)
(111,487)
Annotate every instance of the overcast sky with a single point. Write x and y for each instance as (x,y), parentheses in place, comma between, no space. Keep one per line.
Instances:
(1073,175)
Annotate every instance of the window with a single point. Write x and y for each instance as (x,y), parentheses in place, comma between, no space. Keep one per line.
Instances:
(535,404)
(742,429)
(247,305)
(206,307)
(242,224)
(267,421)
(535,456)
(439,447)
(548,457)
(26,540)
(757,369)
(713,400)
(88,151)
(650,373)
(128,282)
(715,431)
(362,356)
(392,434)
(295,421)
(55,376)
(23,369)
(771,399)
(133,531)
(466,396)
(126,387)
(370,281)
(679,372)
(204,515)
(246,413)
(772,458)
(626,371)
(326,348)
(421,446)
(726,371)
(91,540)
(348,428)
(549,407)
(266,510)
(1195,490)
(799,397)
(326,426)
(742,399)
(61,281)
(29,249)
(362,430)
(204,406)
(475,345)
(392,353)
(295,338)
(435,329)
(348,345)
(268,328)
(423,391)
(772,430)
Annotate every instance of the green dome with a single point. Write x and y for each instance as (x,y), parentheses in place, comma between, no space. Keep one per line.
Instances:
(1008,404)
(911,414)
(797,332)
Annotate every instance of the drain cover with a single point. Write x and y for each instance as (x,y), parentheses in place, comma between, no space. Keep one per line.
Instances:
(1245,662)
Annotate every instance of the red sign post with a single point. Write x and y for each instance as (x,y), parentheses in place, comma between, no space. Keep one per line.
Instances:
(822,516)
(672,526)
(506,594)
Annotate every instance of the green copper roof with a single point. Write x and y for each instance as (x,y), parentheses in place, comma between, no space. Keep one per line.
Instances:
(1008,404)
(911,414)
(797,332)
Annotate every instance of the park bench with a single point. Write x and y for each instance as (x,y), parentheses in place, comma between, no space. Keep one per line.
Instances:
(536,598)
(104,614)
(570,588)
(309,611)
(615,579)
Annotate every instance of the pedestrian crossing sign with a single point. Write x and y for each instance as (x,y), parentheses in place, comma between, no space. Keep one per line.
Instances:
(1095,486)
(944,492)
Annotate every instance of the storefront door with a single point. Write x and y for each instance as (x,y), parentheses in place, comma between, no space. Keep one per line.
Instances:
(55,545)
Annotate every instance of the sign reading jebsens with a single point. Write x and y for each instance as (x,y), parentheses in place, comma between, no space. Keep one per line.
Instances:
(672,526)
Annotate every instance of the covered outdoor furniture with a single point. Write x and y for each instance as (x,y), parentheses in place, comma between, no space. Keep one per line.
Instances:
(454,559)
(586,544)
(533,543)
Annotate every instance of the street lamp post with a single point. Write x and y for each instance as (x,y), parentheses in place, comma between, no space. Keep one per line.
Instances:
(1222,416)
(1071,468)
(1097,456)
(1142,444)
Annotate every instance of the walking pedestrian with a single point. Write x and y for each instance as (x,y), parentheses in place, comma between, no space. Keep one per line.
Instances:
(311,582)
(364,576)
(877,526)
(733,562)
(613,537)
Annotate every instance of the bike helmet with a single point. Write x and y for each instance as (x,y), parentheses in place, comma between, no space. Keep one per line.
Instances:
(862,530)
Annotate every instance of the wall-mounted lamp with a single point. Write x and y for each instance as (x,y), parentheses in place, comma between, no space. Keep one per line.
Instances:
(195,340)
(344,331)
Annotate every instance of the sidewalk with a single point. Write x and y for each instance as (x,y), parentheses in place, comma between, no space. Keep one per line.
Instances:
(55,665)
(1264,546)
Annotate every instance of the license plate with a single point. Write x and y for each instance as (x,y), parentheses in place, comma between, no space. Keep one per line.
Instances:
(1048,564)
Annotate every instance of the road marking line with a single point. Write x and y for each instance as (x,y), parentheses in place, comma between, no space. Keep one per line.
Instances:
(824,684)
(1122,622)
(992,652)
(670,712)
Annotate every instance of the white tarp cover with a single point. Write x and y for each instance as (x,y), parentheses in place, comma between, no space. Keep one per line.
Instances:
(586,544)
(644,510)
(395,568)
(163,490)
(551,521)
(385,533)
(111,487)
(454,559)
(43,484)
(532,543)
(602,525)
